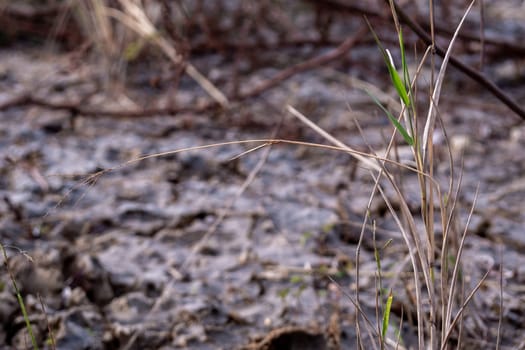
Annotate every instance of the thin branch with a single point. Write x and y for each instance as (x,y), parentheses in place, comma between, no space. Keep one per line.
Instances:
(467,70)
(426,38)
(26,98)
(315,62)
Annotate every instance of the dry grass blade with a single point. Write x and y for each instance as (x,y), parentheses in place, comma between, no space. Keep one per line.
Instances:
(370,326)
(134,17)
(51,339)
(362,233)
(101,25)
(251,176)
(462,309)
(225,210)
(452,288)
(429,125)
(90,179)
(358,155)
(500,318)
(247,182)
(266,142)
(409,236)
(414,251)
(254,149)
(420,262)
(447,229)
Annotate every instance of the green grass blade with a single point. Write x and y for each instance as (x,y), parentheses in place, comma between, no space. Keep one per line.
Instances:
(396,80)
(404,66)
(386,315)
(26,319)
(394,121)
(394,75)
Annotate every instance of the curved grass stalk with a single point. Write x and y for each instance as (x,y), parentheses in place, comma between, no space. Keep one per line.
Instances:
(431,116)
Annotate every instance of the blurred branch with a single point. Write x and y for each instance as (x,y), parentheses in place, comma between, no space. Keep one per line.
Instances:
(136,19)
(28,11)
(467,70)
(308,64)
(80,108)
(425,37)
(501,43)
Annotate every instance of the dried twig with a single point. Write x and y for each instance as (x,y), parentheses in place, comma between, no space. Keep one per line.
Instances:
(77,108)
(135,18)
(315,62)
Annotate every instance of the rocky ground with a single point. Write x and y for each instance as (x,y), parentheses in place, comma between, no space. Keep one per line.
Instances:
(186,250)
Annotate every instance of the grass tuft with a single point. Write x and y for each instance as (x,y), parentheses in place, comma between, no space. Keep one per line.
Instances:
(20,299)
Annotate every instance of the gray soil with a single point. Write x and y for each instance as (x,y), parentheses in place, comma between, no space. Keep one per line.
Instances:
(176,252)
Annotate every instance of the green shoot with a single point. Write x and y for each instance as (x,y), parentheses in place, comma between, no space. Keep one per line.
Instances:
(20,301)
(386,315)
(393,120)
(394,75)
